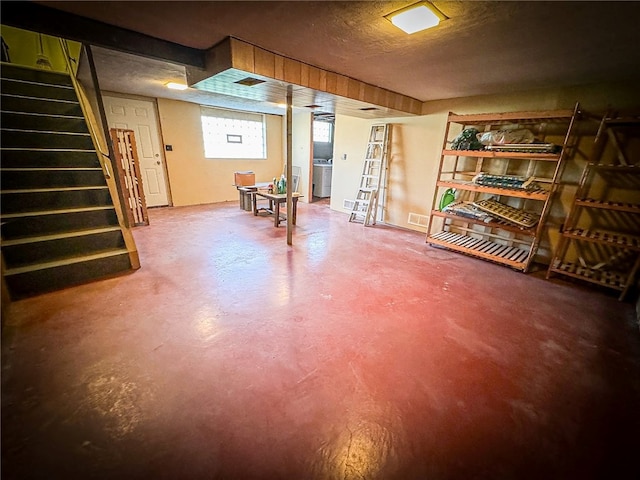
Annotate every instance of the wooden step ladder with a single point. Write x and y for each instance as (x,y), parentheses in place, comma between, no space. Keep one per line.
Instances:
(368,205)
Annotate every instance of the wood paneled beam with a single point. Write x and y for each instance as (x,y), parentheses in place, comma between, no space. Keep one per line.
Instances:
(234,54)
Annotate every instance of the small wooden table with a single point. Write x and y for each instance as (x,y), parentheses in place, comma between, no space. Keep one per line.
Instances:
(275,199)
(244,192)
(245,197)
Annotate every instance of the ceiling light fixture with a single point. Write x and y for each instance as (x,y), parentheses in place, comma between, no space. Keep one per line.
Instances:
(416,17)
(176,86)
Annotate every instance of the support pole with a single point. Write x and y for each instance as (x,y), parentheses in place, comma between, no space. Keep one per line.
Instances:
(289,165)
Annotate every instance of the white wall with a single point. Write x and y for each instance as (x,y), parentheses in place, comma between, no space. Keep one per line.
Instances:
(413,158)
(350,139)
(302,150)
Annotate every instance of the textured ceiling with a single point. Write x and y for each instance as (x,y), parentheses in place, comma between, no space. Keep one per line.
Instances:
(484,47)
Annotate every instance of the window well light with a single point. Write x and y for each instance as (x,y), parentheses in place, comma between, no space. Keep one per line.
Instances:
(416,17)
(176,86)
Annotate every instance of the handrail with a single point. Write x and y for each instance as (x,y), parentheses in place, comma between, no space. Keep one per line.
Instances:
(106,158)
(76,85)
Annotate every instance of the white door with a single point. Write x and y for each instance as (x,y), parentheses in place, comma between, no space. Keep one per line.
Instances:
(140,116)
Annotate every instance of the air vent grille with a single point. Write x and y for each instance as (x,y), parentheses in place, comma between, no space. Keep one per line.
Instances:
(250,81)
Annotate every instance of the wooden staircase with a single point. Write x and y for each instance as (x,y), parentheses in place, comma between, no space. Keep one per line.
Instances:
(59,223)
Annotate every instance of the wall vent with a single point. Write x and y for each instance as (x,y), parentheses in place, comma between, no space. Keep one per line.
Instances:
(348,205)
(418,220)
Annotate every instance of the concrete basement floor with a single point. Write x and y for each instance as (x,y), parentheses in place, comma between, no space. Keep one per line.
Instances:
(358,353)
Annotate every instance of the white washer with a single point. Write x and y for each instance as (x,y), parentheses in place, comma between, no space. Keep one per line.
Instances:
(322,180)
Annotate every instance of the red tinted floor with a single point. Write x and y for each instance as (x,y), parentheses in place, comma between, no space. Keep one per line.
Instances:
(358,353)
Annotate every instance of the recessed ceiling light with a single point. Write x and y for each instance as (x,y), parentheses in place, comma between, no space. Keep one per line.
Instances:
(281,105)
(416,17)
(176,86)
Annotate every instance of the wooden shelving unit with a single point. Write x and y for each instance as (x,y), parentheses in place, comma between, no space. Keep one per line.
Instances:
(498,240)
(600,241)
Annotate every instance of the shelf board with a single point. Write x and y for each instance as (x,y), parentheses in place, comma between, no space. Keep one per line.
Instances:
(619,206)
(539,194)
(633,169)
(606,279)
(512,117)
(495,223)
(473,173)
(630,242)
(623,121)
(487,250)
(551,157)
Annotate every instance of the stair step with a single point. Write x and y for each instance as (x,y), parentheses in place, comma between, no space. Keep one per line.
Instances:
(33,280)
(57,236)
(50,222)
(54,189)
(49,169)
(30,158)
(38,90)
(33,139)
(35,75)
(64,262)
(53,212)
(15,201)
(25,252)
(19,103)
(34,178)
(43,122)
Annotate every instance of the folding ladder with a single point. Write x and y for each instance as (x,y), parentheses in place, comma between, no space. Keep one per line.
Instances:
(368,205)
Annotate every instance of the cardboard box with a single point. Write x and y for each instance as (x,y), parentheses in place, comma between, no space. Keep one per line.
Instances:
(242,179)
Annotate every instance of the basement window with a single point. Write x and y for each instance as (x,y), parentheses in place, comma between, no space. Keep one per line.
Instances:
(233,134)
(321,131)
